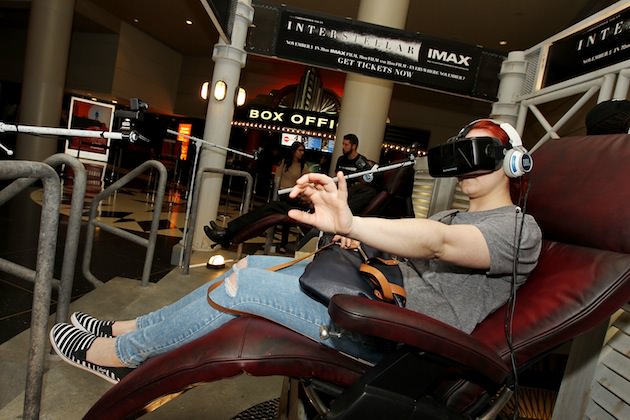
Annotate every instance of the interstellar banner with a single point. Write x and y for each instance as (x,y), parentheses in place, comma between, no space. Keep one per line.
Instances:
(378,51)
(600,45)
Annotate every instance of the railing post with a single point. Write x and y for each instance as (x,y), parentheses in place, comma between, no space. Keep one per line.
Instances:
(43,277)
(188,234)
(147,243)
(72,234)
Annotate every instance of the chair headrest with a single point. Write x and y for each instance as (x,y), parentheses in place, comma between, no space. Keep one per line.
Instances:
(580,192)
(397,179)
(609,117)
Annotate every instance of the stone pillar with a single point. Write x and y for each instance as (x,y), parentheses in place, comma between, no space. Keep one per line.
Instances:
(228,61)
(365,102)
(47,49)
(512,76)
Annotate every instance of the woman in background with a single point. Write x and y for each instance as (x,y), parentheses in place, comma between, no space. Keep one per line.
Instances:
(292,167)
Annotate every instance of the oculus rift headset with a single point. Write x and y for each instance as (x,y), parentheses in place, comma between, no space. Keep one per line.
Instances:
(475,156)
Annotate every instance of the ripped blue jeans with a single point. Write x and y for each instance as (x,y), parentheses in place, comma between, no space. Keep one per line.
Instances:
(273,295)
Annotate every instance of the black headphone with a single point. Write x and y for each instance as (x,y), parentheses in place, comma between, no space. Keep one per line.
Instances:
(516,160)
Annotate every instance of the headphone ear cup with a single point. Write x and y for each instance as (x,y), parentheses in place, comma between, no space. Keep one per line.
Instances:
(517,162)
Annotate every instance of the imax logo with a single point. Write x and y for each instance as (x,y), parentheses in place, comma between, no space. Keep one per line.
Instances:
(449,57)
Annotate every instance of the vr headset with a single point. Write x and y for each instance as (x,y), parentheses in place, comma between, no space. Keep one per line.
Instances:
(474,156)
(466,156)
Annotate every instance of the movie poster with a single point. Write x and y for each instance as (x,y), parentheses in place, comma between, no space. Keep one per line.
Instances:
(90,115)
(600,45)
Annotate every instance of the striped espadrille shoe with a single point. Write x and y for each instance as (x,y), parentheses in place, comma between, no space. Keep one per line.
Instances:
(92,325)
(72,344)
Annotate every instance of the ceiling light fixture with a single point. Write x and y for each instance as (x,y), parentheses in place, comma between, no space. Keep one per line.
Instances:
(188,22)
(503,42)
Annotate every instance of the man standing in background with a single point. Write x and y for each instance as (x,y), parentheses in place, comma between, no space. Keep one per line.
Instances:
(350,162)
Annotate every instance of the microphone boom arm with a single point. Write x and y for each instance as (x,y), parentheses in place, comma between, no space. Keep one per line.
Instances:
(227,149)
(133,136)
(362,173)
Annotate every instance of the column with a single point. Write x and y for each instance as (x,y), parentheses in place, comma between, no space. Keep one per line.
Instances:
(228,61)
(47,48)
(512,76)
(365,102)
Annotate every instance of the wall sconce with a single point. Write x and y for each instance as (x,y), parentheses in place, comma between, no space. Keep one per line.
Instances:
(204,90)
(220,90)
(239,98)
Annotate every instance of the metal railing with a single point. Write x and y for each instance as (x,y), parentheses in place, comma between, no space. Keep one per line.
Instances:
(147,243)
(188,235)
(72,236)
(43,275)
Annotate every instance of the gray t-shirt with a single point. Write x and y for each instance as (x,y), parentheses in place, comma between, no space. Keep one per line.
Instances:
(463,297)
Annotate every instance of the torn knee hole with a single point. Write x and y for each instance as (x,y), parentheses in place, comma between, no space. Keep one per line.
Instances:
(241,264)
(231,285)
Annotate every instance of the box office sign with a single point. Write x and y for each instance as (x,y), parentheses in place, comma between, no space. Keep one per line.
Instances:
(600,45)
(292,118)
(382,52)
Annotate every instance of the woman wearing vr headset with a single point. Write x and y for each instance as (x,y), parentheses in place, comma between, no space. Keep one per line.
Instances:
(459,268)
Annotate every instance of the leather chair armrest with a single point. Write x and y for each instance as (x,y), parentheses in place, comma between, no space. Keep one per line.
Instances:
(401,325)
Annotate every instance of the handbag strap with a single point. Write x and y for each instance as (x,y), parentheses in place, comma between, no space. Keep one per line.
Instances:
(277,267)
(297,260)
(387,289)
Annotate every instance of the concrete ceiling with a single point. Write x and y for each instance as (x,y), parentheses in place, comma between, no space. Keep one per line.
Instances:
(522,24)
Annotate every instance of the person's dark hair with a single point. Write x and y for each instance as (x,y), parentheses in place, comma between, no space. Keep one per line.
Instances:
(288,160)
(352,138)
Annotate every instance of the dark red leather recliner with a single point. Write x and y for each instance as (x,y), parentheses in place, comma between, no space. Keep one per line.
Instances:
(580,197)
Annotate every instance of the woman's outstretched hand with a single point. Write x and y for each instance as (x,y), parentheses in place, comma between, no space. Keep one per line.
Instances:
(330,203)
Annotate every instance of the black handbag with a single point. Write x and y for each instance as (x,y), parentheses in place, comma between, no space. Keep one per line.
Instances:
(366,272)
(334,270)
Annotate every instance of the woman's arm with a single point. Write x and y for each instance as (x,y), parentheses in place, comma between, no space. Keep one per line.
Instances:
(463,245)
(414,238)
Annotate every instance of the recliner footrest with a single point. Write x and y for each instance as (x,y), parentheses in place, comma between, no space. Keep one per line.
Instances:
(246,345)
